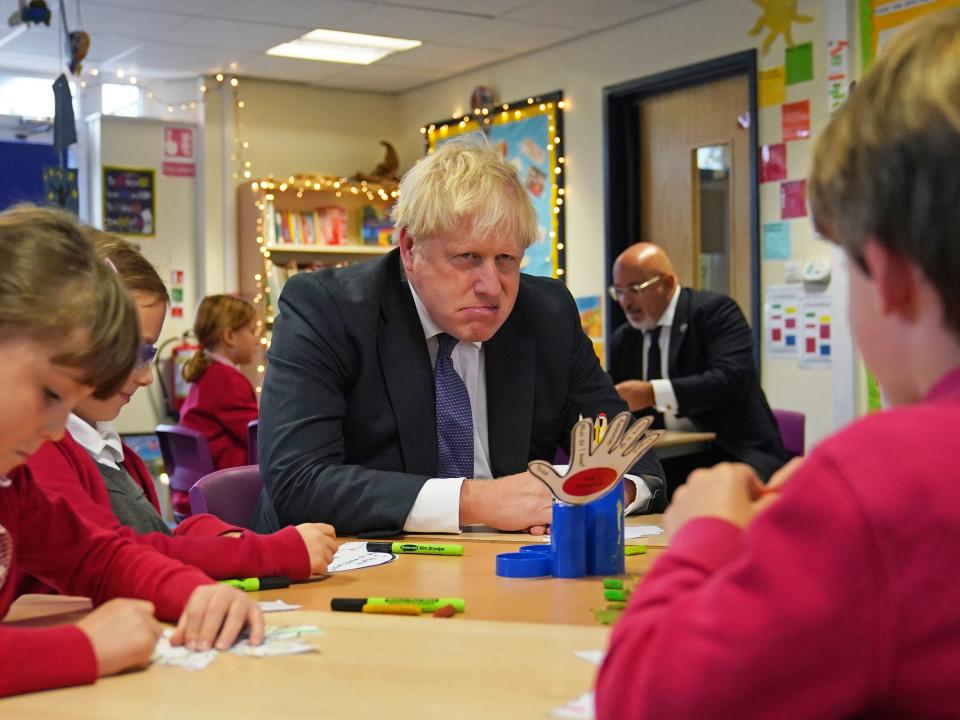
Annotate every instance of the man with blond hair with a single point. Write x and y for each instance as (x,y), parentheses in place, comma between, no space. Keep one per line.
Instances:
(398,387)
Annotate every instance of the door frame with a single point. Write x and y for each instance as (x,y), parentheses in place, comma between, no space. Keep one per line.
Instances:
(621,178)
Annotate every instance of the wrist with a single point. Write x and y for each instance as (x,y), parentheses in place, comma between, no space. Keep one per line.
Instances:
(473,501)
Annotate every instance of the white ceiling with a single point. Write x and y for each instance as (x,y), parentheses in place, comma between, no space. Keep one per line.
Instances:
(173,39)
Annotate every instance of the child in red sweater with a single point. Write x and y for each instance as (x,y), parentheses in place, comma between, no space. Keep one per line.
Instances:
(106,482)
(68,329)
(828,594)
(221,401)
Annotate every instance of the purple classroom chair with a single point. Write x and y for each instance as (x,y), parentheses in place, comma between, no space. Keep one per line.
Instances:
(230,494)
(792,426)
(253,456)
(186,457)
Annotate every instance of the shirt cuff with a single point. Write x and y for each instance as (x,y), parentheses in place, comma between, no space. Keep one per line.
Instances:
(664,397)
(437,507)
(643,494)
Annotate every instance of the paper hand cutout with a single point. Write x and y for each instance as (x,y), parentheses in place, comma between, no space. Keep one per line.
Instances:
(596,467)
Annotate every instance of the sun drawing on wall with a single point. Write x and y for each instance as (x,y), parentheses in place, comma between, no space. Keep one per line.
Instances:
(778,17)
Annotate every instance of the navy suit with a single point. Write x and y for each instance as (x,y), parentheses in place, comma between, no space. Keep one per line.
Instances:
(714,377)
(347,416)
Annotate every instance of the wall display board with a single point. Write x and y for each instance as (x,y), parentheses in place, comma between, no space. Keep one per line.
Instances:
(129,201)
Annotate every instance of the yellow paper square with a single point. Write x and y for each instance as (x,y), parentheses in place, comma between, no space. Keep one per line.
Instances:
(773,86)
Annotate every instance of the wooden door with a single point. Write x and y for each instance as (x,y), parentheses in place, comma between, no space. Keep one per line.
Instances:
(697,212)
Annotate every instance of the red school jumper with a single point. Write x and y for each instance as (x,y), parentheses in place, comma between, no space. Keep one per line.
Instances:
(839,601)
(219,405)
(64,468)
(46,538)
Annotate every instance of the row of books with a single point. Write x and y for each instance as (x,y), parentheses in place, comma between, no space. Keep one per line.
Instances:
(324,226)
(281,272)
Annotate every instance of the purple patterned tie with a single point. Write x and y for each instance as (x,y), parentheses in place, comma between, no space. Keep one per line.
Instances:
(454,418)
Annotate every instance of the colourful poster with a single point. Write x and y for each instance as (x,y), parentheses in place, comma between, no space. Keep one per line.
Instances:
(591,321)
(773,87)
(880,20)
(528,137)
(793,199)
(795,118)
(776,241)
(816,329)
(773,162)
(781,320)
(799,63)
(128,201)
(838,54)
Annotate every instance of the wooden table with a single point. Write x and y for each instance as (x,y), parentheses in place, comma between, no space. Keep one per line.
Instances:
(674,443)
(367,667)
(510,655)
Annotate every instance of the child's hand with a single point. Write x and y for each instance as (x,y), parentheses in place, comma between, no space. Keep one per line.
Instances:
(123,634)
(729,491)
(321,542)
(214,617)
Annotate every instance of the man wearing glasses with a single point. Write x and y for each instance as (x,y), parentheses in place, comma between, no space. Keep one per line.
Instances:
(686,356)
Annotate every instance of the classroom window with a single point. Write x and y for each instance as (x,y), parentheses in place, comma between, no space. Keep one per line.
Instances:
(26,97)
(117,99)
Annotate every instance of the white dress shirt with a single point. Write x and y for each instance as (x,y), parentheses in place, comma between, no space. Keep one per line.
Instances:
(437,507)
(102,440)
(664,397)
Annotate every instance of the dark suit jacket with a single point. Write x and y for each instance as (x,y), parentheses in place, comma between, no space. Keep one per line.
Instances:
(713,375)
(347,416)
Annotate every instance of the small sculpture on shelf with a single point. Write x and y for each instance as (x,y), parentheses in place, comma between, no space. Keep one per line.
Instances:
(385,171)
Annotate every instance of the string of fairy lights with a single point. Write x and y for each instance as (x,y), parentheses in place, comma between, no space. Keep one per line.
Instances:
(266,192)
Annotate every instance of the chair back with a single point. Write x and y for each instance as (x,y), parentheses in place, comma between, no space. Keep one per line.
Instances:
(186,455)
(792,426)
(231,494)
(253,456)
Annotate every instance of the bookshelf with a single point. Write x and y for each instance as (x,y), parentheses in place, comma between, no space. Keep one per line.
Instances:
(300,224)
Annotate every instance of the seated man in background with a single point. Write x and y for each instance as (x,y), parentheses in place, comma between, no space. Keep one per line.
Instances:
(687,356)
(399,386)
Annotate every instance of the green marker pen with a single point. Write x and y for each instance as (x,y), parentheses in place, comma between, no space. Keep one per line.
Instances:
(634,549)
(616,595)
(426,605)
(256,584)
(416,548)
(612,584)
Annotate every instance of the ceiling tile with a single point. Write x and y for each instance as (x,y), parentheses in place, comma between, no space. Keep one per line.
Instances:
(515,37)
(250,36)
(289,69)
(154,59)
(174,6)
(386,80)
(405,22)
(300,13)
(109,20)
(585,16)
(485,8)
(442,58)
